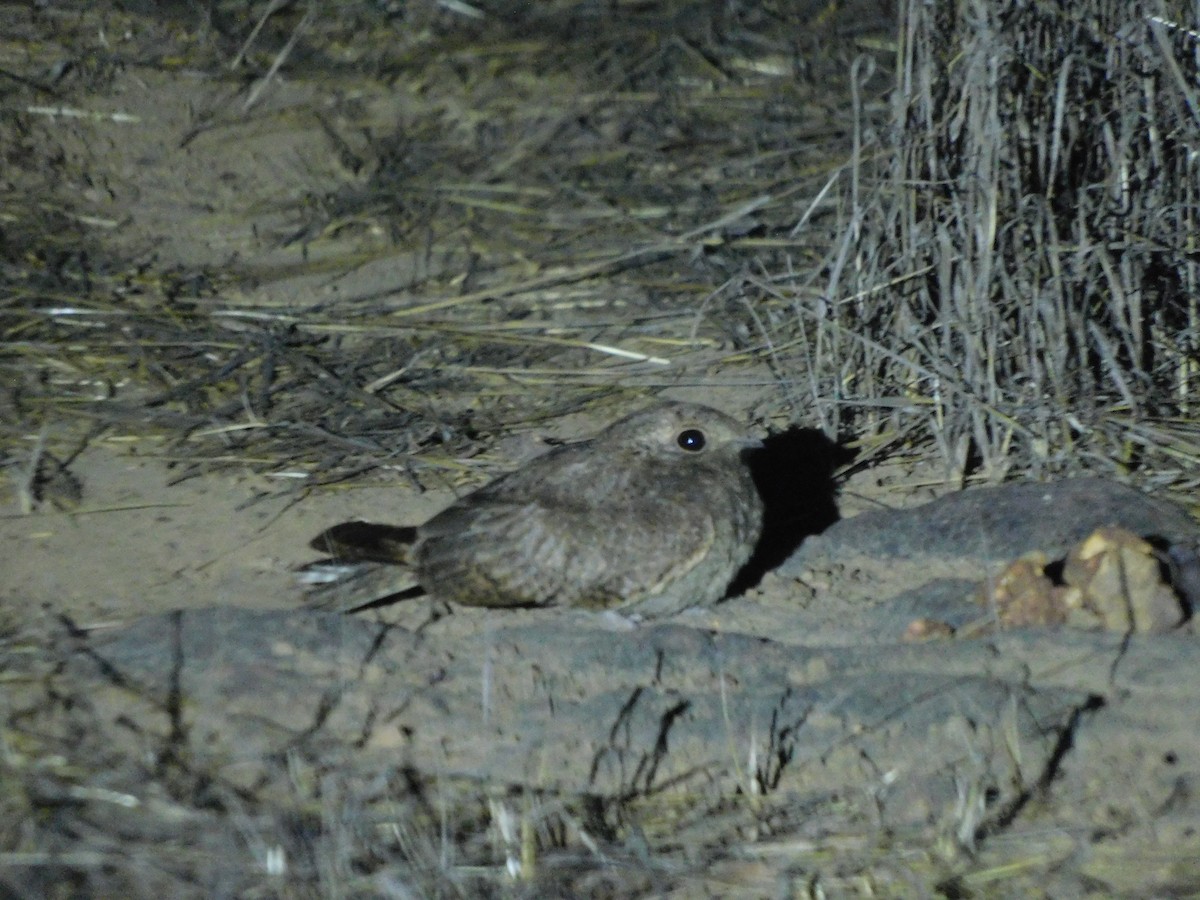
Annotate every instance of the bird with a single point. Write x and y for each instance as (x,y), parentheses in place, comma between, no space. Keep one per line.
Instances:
(654,514)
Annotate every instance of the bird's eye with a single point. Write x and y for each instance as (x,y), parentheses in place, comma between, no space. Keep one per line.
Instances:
(691,439)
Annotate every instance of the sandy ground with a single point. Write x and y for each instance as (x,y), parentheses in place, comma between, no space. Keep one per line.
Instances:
(140,544)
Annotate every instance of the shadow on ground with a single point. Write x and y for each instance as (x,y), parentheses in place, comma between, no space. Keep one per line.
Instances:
(793,472)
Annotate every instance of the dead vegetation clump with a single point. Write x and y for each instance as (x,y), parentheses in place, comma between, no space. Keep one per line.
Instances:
(1019,281)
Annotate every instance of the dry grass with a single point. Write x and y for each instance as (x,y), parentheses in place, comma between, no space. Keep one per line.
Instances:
(1017,280)
(575,199)
(1003,272)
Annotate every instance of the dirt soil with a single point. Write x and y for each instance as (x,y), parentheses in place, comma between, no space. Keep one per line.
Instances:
(177,721)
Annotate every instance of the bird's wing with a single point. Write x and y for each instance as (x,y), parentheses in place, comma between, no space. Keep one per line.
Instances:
(495,552)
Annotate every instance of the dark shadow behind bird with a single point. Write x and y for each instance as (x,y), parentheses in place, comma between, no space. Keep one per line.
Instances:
(793,471)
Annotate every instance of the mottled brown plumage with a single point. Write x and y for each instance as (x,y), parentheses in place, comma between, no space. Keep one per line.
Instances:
(654,514)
